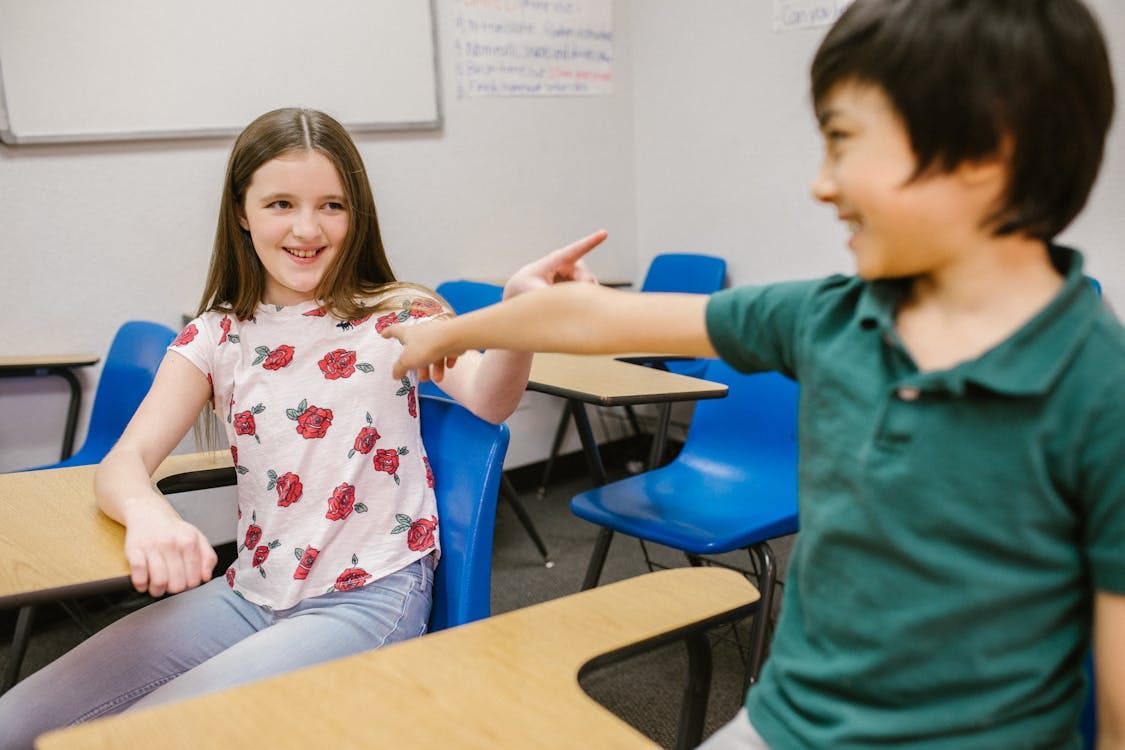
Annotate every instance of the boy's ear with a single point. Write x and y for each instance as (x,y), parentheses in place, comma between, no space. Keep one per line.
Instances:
(993,168)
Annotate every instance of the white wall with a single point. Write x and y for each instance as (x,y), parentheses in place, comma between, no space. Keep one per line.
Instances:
(708,145)
(95,235)
(727,146)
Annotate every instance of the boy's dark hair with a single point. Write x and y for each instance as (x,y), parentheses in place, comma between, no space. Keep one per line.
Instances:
(1029,79)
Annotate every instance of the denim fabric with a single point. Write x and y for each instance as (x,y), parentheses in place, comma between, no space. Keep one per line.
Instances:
(208,639)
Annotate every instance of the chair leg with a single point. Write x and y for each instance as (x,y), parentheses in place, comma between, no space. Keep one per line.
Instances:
(509,493)
(693,710)
(19,647)
(767,577)
(597,559)
(556,446)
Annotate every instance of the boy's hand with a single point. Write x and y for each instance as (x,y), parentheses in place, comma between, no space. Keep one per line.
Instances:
(429,349)
(423,350)
(564,264)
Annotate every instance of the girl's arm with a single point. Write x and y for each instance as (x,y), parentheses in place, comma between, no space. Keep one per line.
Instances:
(1109,669)
(576,318)
(491,384)
(165,553)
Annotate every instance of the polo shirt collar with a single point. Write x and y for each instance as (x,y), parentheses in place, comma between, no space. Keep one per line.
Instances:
(1026,363)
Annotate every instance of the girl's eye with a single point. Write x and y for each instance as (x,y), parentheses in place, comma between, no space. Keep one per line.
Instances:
(334,206)
(279,204)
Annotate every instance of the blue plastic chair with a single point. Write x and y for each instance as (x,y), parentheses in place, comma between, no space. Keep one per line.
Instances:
(686,273)
(467,457)
(733,486)
(464,296)
(137,349)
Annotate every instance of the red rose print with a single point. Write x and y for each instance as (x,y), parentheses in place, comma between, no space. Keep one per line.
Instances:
(278,358)
(253,534)
(424,307)
(412,402)
(429,473)
(312,421)
(186,335)
(260,555)
(305,559)
(352,578)
(386,460)
(385,320)
(421,534)
(230,576)
(225,325)
(341,502)
(244,423)
(289,489)
(365,440)
(234,454)
(337,364)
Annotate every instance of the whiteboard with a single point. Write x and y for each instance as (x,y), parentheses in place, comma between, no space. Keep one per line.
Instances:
(93,70)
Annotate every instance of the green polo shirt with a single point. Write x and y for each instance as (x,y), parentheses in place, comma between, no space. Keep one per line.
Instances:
(954,524)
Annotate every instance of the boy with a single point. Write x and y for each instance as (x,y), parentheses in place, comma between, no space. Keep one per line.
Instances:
(962,434)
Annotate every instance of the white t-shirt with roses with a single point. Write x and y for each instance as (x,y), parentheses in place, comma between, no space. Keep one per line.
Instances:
(334,487)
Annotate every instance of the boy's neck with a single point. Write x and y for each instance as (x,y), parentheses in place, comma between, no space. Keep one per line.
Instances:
(962,310)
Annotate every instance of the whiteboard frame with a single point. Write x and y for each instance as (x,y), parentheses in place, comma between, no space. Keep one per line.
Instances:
(10,138)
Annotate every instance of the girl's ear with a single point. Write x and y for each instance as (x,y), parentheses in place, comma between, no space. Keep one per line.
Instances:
(241,214)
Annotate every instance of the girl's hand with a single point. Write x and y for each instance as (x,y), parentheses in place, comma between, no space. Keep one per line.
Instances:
(564,264)
(166,554)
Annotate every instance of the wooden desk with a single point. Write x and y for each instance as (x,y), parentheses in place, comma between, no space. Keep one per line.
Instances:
(509,681)
(56,545)
(62,366)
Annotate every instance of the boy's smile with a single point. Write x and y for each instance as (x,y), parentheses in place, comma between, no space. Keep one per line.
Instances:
(297,218)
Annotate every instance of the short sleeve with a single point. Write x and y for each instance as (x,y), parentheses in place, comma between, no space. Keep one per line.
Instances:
(198,340)
(1103,492)
(755,328)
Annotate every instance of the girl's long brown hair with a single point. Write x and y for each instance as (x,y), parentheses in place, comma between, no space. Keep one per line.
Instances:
(360,282)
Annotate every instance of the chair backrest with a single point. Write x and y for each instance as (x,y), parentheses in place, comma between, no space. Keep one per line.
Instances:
(130,366)
(755,425)
(465,296)
(690,273)
(467,456)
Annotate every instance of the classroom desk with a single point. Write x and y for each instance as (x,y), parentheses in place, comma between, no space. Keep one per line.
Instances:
(509,681)
(56,545)
(610,381)
(62,366)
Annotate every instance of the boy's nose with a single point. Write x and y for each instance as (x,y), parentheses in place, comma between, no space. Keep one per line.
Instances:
(823,186)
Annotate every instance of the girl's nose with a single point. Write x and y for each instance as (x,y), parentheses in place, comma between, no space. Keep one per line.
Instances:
(305,225)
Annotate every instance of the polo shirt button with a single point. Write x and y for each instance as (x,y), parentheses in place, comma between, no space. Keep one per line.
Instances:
(908,393)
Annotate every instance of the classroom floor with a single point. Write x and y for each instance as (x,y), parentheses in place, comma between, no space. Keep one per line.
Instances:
(644,691)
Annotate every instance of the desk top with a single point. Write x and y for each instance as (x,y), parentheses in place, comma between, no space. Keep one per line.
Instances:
(56,543)
(509,681)
(607,381)
(46,361)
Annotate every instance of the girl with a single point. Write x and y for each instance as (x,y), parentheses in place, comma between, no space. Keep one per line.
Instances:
(338,533)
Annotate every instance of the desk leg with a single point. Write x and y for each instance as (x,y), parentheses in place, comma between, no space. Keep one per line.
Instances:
(71,411)
(18,648)
(589,444)
(660,437)
(693,711)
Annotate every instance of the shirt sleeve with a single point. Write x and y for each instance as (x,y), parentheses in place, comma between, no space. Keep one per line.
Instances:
(756,328)
(1103,492)
(198,340)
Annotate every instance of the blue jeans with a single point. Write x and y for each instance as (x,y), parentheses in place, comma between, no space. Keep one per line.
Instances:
(208,639)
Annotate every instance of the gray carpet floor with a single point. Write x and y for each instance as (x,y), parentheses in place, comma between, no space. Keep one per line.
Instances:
(644,690)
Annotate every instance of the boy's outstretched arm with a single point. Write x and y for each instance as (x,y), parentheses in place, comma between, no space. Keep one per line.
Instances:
(1109,669)
(576,318)
(491,385)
